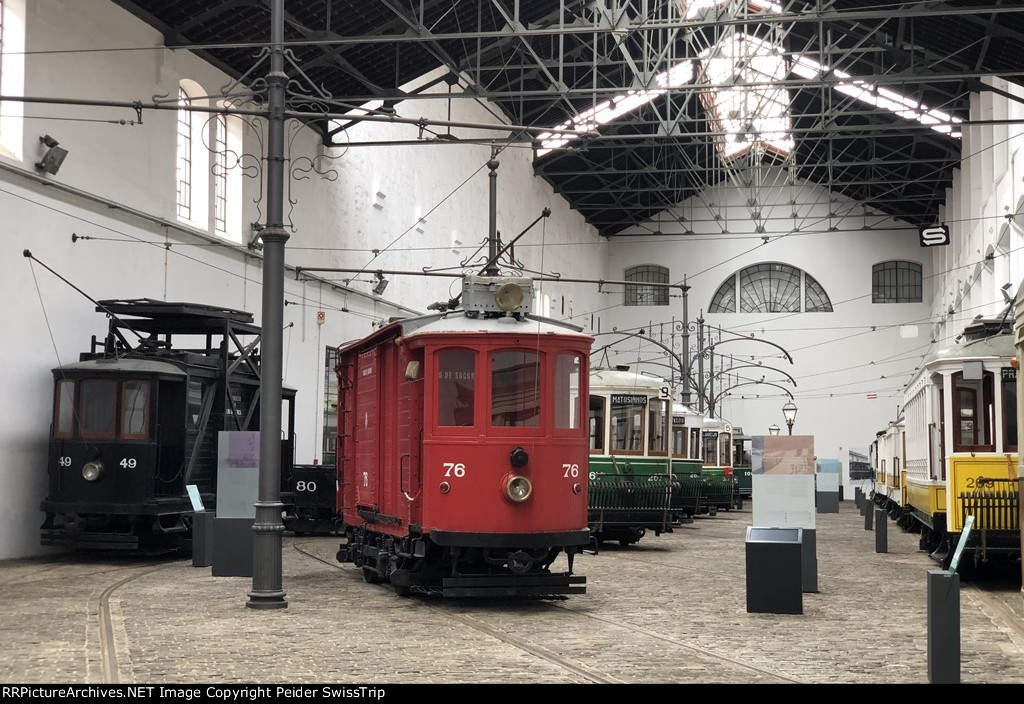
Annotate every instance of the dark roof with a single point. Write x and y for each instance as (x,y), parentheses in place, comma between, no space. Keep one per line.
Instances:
(542,67)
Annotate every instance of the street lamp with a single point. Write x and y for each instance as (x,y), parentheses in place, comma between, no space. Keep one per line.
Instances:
(773,429)
(789,411)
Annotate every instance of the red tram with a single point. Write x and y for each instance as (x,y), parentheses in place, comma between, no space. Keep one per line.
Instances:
(462,448)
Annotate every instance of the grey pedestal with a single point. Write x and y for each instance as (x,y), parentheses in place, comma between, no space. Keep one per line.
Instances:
(202,539)
(827,501)
(774,569)
(943,627)
(232,547)
(881,531)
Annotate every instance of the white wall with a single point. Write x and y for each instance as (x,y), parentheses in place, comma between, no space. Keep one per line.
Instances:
(116,188)
(838,358)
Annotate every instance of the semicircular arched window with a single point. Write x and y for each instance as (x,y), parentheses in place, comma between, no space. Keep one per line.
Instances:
(770,287)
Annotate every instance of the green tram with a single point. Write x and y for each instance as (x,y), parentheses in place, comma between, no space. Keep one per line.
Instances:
(741,466)
(631,480)
(690,486)
(718,465)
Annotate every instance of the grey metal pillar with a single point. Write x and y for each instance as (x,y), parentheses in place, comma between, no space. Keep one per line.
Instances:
(943,627)
(868,514)
(881,531)
(267,592)
(686,344)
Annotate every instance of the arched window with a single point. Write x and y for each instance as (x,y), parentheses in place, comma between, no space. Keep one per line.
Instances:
(639,295)
(184,197)
(193,158)
(770,287)
(896,281)
(227,177)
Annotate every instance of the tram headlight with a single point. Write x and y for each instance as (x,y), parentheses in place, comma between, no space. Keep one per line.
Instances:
(91,471)
(517,488)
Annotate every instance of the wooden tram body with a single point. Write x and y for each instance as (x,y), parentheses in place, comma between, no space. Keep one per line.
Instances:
(462,450)
(631,478)
(691,488)
(960,450)
(136,422)
(722,490)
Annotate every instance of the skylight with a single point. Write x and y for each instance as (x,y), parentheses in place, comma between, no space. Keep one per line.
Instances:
(745,109)
(881,97)
(604,112)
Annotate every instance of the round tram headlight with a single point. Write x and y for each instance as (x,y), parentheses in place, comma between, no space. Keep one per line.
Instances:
(509,297)
(518,488)
(91,471)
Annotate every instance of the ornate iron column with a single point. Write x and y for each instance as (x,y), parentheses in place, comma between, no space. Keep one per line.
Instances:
(267,592)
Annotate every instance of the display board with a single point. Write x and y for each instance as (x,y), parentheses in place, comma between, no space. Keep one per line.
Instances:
(783,469)
(238,473)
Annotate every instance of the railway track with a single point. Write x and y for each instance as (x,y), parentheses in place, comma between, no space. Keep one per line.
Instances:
(96,582)
(503,621)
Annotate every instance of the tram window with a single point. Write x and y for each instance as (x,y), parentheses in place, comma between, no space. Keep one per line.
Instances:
(515,392)
(597,422)
(695,443)
(135,410)
(679,442)
(64,413)
(456,377)
(566,391)
(99,400)
(725,449)
(627,428)
(974,412)
(656,428)
(1009,416)
(965,409)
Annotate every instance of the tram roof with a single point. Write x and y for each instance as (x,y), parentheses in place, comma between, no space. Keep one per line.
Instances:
(624,379)
(125,365)
(996,346)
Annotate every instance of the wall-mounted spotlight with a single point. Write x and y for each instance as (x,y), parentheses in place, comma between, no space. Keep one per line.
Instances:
(54,156)
(382,283)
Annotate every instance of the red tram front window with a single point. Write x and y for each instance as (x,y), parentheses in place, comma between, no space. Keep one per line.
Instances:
(64,409)
(456,377)
(515,389)
(135,410)
(98,408)
(567,391)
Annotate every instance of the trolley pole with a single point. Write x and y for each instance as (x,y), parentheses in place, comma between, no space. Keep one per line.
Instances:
(268,528)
